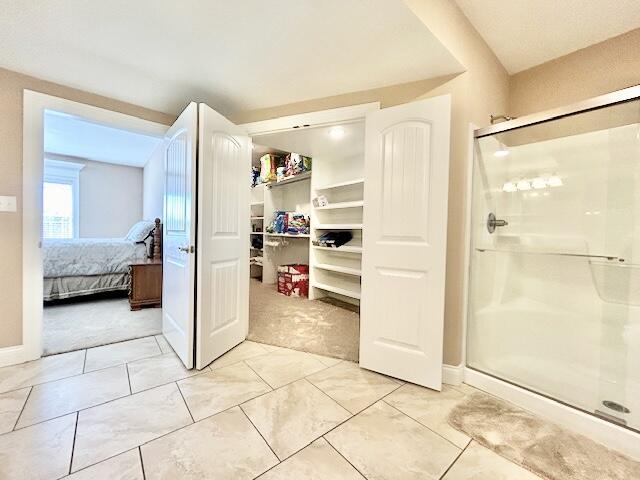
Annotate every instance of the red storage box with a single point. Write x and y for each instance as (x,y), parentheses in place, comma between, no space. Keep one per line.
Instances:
(293,280)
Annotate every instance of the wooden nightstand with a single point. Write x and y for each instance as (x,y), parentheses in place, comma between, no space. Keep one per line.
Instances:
(145,287)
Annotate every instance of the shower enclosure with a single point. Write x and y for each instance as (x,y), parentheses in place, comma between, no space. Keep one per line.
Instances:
(554,294)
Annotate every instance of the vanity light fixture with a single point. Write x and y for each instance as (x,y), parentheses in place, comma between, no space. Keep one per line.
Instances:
(523,185)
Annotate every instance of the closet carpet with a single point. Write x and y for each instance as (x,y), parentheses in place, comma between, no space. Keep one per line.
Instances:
(309,325)
(87,323)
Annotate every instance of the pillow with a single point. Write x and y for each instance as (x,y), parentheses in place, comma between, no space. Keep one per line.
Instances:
(140,231)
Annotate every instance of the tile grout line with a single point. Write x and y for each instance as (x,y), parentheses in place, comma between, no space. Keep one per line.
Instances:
(185,402)
(423,425)
(84,362)
(73,445)
(261,436)
(155,337)
(126,367)
(441,477)
(21,411)
(144,474)
(258,375)
(345,458)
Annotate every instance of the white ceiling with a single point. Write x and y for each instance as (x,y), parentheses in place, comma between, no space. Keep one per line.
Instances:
(73,136)
(525,33)
(234,55)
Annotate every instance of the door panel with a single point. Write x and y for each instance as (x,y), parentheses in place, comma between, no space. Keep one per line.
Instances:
(222,319)
(404,240)
(178,264)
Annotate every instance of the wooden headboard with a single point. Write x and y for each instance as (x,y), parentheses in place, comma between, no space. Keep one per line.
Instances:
(156,241)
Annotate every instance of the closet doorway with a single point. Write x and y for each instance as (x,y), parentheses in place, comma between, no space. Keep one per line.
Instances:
(307,200)
(348,235)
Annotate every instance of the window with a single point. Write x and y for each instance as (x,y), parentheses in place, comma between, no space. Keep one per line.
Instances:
(60,199)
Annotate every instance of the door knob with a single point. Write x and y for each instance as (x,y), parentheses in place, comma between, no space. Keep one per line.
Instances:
(493,223)
(186,249)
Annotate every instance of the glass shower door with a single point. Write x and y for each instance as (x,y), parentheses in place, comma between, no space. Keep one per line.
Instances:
(554,301)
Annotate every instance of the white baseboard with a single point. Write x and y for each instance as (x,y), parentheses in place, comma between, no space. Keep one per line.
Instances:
(610,435)
(452,374)
(13,355)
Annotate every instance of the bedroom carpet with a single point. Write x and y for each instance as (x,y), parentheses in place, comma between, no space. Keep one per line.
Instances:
(83,324)
(309,325)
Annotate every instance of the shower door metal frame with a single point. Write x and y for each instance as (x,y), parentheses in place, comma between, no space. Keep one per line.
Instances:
(595,103)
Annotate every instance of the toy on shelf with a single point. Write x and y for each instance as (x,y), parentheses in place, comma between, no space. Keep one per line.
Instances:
(290,223)
(333,239)
(320,201)
(269,164)
(255,176)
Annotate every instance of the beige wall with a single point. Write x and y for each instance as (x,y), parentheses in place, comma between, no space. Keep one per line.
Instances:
(153,185)
(481,90)
(601,68)
(11,87)
(110,197)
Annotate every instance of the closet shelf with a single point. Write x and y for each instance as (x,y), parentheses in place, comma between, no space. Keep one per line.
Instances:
(255,204)
(289,235)
(288,180)
(257,233)
(335,206)
(258,249)
(338,226)
(347,183)
(257,218)
(339,269)
(339,290)
(342,249)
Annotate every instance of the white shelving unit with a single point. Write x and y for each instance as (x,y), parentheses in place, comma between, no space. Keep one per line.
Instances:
(336,272)
(338,175)
(257,223)
(346,183)
(346,248)
(289,235)
(339,226)
(339,205)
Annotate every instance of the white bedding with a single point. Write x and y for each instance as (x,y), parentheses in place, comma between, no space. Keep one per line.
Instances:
(90,256)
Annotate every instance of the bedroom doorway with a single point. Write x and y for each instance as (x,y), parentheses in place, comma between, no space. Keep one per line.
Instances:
(98,234)
(100,210)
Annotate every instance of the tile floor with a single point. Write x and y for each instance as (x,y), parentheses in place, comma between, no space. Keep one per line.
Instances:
(130,411)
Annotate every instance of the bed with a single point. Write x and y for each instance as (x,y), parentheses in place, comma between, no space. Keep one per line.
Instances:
(85,266)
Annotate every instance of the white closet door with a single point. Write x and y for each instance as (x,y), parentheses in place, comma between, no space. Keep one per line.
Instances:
(224,165)
(404,243)
(179,234)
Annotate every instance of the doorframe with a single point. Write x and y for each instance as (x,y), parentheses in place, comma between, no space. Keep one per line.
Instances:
(451,374)
(319,118)
(35,105)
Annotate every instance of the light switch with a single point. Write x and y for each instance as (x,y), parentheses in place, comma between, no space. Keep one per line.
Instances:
(8,204)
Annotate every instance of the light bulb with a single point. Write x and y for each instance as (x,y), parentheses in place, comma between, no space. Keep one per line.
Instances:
(538,183)
(336,132)
(554,181)
(509,187)
(523,185)
(503,152)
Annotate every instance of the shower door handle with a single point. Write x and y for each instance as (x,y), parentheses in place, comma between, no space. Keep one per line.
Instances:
(493,222)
